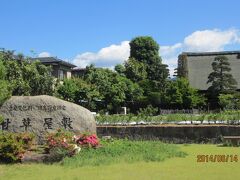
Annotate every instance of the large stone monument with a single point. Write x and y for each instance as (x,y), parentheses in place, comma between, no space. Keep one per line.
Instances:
(41,114)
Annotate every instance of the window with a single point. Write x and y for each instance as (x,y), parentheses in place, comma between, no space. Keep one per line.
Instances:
(50,73)
(60,74)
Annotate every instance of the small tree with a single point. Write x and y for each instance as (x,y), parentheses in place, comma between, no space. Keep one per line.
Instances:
(179,94)
(221,80)
(226,101)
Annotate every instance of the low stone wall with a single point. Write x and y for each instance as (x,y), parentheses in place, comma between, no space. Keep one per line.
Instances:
(172,133)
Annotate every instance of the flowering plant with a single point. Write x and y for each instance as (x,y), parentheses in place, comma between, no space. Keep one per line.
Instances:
(85,140)
(60,139)
(61,144)
(27,139)
(12,148)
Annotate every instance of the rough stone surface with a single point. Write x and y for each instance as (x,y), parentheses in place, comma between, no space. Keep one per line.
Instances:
(41,114)
(32,157)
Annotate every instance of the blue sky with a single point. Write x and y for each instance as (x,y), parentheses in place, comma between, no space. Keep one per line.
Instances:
(98,31)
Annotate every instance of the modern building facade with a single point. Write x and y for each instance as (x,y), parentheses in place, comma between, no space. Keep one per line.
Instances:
(60,69)
(196,66)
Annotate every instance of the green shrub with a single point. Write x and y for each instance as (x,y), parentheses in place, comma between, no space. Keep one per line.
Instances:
(14,145)
(148,111)
(1,118)
(60,139)
(226,101)
(11,150)
(56,154)
(26,139)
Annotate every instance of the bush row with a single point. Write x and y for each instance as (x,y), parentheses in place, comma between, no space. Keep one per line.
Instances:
(60,144)
(231,117)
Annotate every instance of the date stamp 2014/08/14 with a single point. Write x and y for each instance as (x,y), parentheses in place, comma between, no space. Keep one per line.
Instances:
(217,158)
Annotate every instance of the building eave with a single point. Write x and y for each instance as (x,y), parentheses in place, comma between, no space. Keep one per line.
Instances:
(210,53)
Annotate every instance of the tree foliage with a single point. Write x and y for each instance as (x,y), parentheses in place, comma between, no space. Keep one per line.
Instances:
(145,50)
(229,101)
(141,82)
(120,69)
(221,79)
(115,89)
(5,92)
(26,77)
(180,95)
(135,70)
(78,91)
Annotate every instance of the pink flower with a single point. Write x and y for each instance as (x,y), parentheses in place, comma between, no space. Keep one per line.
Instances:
(87,140)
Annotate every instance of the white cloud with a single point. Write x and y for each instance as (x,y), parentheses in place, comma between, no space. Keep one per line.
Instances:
(205,40)
(171,62)
(169,55)
(169,50)
(211,40)
(44,54)
(107,57)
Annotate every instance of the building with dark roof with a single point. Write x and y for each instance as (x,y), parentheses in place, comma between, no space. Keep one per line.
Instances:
(60,69)
(78,72)
(196,66)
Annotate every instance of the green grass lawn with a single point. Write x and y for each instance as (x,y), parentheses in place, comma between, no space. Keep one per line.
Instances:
(173,168)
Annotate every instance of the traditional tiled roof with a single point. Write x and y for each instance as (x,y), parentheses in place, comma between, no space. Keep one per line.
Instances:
(50,60)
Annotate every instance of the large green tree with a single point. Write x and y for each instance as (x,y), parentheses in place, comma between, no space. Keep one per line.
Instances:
(38,78)
(80,92)
(145,49)
(115,89)
(144,67)
(135,70)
